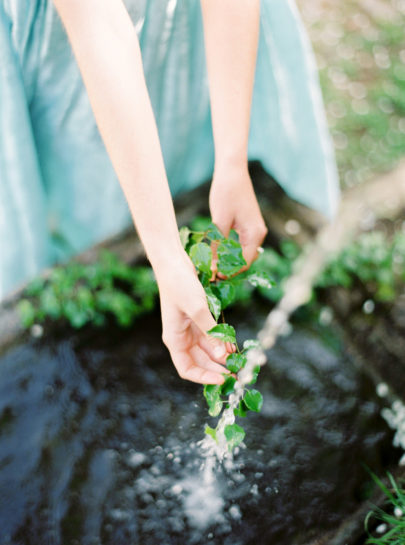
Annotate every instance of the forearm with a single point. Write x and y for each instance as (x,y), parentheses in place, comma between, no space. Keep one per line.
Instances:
(108,54)
(231,29)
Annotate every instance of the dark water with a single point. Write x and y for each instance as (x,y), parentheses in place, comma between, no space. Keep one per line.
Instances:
(98,444)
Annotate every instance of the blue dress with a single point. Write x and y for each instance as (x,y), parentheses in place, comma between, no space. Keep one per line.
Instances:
(58,191)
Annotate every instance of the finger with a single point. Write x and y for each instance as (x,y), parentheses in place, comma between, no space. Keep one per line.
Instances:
(252,243)
(250,253)
(204,321)
(217,352)
(202,359)
(230,347)
(189,370)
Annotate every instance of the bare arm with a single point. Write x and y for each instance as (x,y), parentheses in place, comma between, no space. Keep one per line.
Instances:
(106,48)
(107,51)
(231,29)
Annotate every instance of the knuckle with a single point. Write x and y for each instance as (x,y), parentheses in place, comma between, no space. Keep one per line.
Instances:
(261,231)
(166,339)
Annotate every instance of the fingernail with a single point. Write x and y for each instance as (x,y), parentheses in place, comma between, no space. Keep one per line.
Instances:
(219,351)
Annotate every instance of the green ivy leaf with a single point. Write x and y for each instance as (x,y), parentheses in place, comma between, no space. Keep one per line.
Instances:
(233,235)
(212,394)
(214,304)
(251,343)
(225,291)
(224,332)
(211,432)
(253,400)
(261,279)
(255,374)
(215,408)
(235,362)
(230,257)
(195,238)
(184,235)
(234,435)
(241,410)
(213,233)
(201,256)
(228,386)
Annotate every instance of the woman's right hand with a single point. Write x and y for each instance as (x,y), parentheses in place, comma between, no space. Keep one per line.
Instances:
(186,319)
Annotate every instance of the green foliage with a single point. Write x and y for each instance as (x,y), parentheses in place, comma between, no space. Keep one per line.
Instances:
(220,294)
(235,362)
(201,256)
(230,258)
(214,303)
(224,332)
(372,259)
(234,435)
(391,528)
(88,294)
(253,400)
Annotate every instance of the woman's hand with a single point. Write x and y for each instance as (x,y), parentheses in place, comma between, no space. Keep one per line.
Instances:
(233,205)
(186,320)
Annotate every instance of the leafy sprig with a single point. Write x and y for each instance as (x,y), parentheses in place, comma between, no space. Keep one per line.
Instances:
(220,293)
(83,294)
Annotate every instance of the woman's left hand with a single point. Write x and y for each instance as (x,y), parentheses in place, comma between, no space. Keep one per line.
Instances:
(233,205)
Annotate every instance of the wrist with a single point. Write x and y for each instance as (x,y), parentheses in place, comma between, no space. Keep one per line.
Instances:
(168,261)
(166,255)
(230,165)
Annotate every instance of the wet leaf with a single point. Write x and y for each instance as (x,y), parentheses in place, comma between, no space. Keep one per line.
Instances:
(211,432)
(255,373)
(201,256)
(261,279)
(225,292)
(253,400)
(212,392)
(241,410)
(215,408)
(235,362)
(230,258)
(233,235)
(214,304)
(234,435)
(251,343)
(213,233)
(224,332)
(184,235)
(228,386)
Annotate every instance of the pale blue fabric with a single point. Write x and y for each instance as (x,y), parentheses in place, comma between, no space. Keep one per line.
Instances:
(58,191)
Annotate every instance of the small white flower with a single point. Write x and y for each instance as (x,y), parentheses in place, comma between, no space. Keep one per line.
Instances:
(381,529)
(398,512)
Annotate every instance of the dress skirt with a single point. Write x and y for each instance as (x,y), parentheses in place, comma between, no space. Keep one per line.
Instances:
(58,190)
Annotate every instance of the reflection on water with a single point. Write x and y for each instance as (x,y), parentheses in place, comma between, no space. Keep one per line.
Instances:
(99,444)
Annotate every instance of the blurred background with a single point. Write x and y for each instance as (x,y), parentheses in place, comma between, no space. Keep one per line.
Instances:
(360,51)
